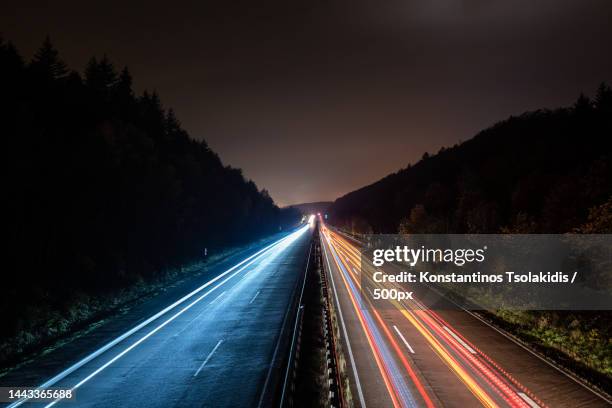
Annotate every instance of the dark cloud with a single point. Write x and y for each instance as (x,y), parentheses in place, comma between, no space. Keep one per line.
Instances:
(313,99)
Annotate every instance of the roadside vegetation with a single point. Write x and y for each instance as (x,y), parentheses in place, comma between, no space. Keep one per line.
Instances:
(104,193)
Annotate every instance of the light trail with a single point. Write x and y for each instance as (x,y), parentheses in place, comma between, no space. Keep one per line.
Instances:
(389,370)
(276,247)
(375,350)
(464,359)
(450,361)
(346,336)
(413,376)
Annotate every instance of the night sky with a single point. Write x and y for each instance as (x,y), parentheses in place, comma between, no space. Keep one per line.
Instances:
(313,99)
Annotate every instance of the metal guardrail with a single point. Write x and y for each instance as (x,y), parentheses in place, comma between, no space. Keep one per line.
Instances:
(288,386)
(336,397)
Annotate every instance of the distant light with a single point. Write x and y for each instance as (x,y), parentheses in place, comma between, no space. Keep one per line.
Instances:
(319,214)
(311,219)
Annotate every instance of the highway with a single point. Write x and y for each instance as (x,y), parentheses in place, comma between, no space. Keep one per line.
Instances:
(221,343)
(405,355)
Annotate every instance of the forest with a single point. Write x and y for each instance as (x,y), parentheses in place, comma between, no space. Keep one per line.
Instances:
(547,171)
(103,188)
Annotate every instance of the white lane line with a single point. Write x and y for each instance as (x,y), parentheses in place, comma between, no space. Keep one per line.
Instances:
(241,266)
(133,330)
(528,400)
(399,333)
(459,340)
(253,298)
(346,337)
(217,298)
(145,337)
(208,358)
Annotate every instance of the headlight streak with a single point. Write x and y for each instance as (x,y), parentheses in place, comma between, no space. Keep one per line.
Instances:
(449,360)
(450,349)
(413,376)
(397,385)
(276,247)
(490,362)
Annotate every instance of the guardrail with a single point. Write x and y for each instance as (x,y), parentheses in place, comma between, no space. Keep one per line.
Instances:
(288,385)
(336,397)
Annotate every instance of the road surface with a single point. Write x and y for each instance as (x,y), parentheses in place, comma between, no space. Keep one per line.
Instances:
(222,345)
(405,355)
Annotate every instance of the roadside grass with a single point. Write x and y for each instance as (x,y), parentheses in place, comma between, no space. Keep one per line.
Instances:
(579,341)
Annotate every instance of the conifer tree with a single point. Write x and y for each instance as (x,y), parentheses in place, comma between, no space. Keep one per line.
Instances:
(47,63)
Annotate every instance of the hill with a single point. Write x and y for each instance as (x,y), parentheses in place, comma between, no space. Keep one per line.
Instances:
(548,171)
(538,172)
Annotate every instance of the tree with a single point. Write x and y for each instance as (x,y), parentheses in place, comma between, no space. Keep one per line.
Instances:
(420,222)
(172,123)
(123,86)
(603,98)
(11,62)
(100,76)
(599,220)
(152,113)
(123,101)
(46,62)
(583,104)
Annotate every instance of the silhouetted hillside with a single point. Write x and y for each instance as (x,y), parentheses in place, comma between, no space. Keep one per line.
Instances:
(103,188)
(538,172)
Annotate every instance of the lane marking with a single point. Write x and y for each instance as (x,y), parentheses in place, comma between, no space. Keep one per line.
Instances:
(208,357)
(474,387)
(528,400)
(346,337)
(459,340)
(253,299)
(578,380)
(152,332)
(217,298)
(394,380)
(399,333)
(239,266)
(508,336)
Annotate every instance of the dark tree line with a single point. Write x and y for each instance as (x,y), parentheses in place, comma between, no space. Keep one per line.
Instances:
(103,187)
(541,172)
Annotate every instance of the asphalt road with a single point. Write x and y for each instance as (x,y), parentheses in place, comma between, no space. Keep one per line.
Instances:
(223,346)
(405,354)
